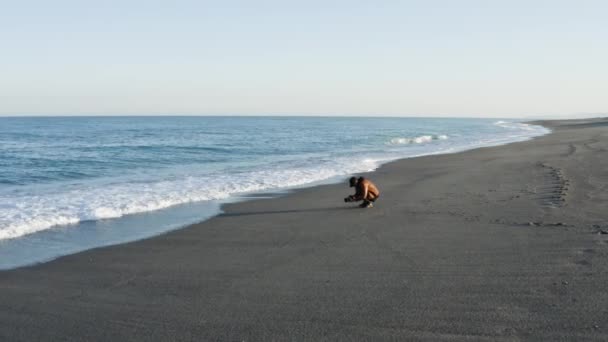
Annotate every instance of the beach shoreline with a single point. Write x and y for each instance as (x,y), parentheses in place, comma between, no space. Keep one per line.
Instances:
(494,243)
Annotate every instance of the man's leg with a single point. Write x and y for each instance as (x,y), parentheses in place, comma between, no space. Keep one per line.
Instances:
(366,204)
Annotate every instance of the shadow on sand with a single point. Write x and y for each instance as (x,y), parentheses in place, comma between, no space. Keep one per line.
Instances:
(312,210)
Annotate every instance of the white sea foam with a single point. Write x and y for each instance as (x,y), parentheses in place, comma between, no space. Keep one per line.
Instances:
(417,140)
(516,125)
(30,213)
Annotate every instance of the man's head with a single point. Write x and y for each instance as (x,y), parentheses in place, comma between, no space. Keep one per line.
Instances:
(352,181)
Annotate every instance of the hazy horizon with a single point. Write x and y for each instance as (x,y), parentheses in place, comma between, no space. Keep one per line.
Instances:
(319,115)
(521,59)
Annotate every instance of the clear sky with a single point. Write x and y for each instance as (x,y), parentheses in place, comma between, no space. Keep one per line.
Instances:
(411,58)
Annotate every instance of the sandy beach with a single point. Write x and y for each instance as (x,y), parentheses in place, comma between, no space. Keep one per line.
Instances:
(505,243)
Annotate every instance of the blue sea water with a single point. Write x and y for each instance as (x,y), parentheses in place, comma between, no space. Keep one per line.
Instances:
(74,183)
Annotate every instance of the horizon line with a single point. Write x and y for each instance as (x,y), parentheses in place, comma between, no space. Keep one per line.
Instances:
(329,115)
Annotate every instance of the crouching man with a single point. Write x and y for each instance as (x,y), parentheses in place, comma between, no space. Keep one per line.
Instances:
(365,191)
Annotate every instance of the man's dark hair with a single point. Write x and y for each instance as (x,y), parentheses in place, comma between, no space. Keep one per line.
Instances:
(352,181)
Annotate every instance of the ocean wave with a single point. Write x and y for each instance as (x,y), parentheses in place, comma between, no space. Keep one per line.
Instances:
(516,125)
(417,140)
(27,214)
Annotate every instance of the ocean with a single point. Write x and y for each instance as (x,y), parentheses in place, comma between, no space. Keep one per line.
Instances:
(69,184)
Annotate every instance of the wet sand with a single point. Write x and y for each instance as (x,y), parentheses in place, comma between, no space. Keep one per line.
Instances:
(504,243)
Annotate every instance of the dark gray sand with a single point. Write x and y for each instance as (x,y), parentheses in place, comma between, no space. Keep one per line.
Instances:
(494,244)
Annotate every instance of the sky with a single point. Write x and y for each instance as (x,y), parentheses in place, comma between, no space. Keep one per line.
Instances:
(485,58)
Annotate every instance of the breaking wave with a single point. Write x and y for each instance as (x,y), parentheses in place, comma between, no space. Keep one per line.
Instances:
(417,140)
